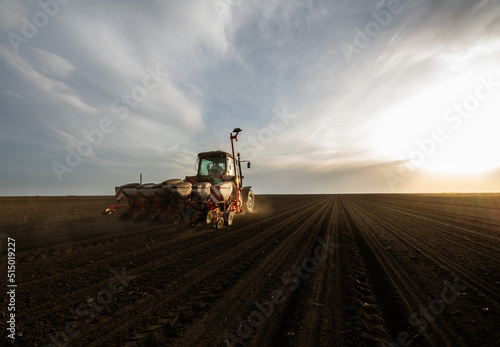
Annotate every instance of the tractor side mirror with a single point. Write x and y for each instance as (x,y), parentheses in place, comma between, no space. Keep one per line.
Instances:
(248,165)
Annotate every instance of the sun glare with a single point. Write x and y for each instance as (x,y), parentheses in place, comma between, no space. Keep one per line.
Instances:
(395,131)
(468,138)
(471,149)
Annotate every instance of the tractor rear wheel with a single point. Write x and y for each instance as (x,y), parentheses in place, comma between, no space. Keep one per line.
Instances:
(249,202)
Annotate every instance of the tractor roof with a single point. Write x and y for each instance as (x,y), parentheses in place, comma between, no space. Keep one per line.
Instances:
(214,154)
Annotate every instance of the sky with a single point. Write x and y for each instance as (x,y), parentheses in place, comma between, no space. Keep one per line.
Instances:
(357,96)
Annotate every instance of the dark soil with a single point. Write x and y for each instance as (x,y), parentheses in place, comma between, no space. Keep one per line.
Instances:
(303,270)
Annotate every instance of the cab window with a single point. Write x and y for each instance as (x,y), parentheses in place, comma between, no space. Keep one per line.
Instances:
(212,166)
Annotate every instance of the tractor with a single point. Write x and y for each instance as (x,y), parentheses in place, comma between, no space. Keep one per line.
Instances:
(212,196)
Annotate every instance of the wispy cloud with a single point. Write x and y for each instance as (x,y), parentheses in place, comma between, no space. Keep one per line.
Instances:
(234,66)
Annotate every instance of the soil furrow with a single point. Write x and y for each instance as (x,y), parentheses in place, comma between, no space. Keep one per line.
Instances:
(303,270)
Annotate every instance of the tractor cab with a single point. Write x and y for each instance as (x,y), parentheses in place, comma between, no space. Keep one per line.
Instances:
(215,167)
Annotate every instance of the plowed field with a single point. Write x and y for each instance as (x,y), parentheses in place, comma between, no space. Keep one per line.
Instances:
(303,270)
